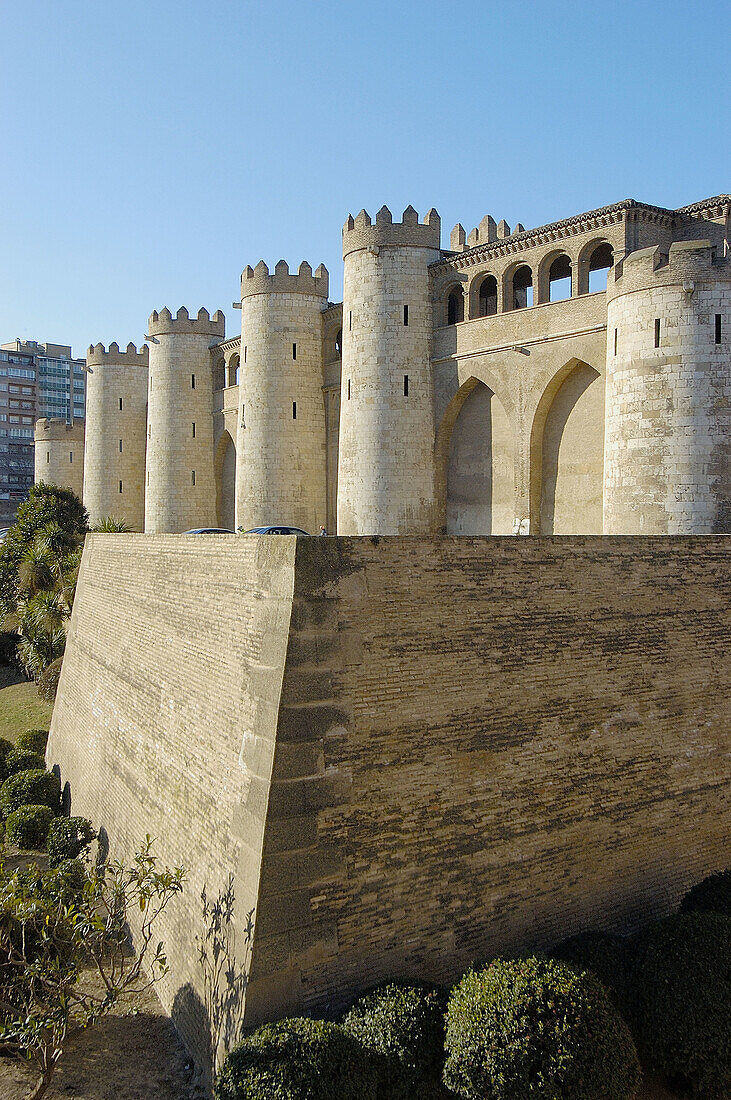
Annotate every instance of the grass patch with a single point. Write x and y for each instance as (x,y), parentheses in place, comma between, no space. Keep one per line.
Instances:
(21,707)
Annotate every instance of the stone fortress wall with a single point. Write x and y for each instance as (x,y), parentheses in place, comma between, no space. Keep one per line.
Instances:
(376,786)
(455,390)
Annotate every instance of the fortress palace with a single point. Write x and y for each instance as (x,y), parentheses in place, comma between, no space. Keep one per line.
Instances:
(571,379)
(401,750)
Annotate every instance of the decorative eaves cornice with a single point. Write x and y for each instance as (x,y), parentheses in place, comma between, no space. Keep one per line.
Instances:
(554,231)
(718,204)
(230,344)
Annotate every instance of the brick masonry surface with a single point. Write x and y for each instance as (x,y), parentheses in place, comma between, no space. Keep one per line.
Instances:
(403,754)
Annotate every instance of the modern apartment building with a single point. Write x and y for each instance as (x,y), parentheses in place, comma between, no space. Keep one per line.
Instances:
(36,380)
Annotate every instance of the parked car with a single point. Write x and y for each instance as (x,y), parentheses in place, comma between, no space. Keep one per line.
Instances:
(209,531)
(274,530)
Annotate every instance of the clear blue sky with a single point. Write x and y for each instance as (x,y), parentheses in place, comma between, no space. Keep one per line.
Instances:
(151,149)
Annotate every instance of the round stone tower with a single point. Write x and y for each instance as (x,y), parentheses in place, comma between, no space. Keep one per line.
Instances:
(116,414)
(180,490)
(59,456)
(666,456)
(281,467)
(386,464)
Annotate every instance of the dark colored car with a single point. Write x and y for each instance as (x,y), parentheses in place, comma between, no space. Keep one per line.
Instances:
(276,531)
(209,531)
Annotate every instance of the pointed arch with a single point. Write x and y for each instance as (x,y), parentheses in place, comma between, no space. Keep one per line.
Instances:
(475,463)
(567,453)
(225,473)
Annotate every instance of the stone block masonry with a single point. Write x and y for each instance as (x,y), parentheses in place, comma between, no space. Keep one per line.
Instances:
(404,754)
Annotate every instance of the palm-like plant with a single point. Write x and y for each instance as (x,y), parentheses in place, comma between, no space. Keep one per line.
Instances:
(69,577)
(45,611)
(37,647)
(57,541)
(36,572)
(47,577)
(111,525)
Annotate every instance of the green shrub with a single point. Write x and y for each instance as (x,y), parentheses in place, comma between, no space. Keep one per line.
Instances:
(404,1024)
(682,992)
(606,955)
(298,1059)
(8,648)
(537,1029)
(27,827)
(712,895)
(67,838)
(34,740)
(32,788)
(22,760)
(5,747)
(66,882)
(47,683)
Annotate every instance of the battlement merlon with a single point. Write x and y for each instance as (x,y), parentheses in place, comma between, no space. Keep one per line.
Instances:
(686,262)
(361,233)
(50,429)
(98,356)
(164,323)
(258,280)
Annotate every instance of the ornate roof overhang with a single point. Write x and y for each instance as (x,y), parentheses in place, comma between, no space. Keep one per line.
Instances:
(716,206)
(231,344)
(555,231)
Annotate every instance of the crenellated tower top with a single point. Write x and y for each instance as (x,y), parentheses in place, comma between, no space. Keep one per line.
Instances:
(55,428)
(360,232)
(98,356)
(685,262)
(258,280)
(182,323)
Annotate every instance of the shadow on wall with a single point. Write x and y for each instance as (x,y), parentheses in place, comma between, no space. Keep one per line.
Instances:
(722,526)
(210,1025)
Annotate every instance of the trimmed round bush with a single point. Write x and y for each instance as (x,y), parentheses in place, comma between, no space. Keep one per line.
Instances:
(27,827)
(67,838)
(682,989)
(536,1029)
(606,955)
(35,740)
(298,1059)
(404,1025)
(22,760)
(32,788)
(712,895)
(5,747)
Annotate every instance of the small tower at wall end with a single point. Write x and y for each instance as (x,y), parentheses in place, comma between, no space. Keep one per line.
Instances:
(98,356)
